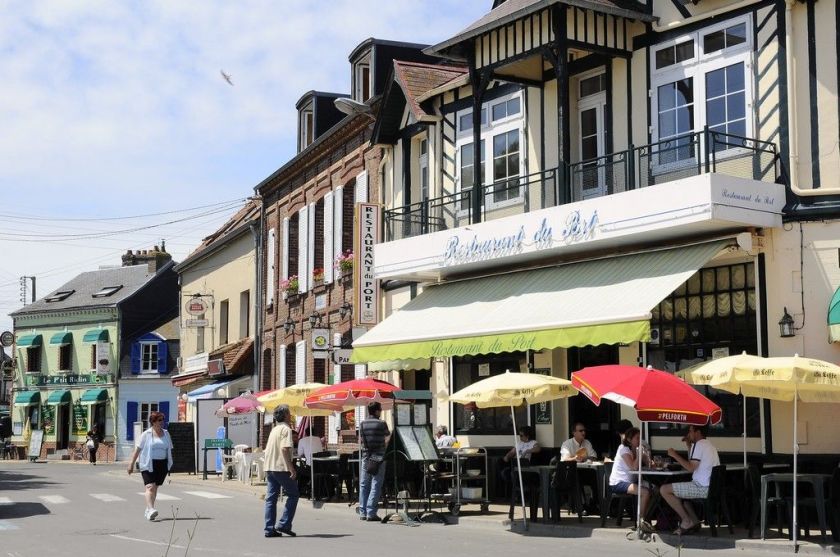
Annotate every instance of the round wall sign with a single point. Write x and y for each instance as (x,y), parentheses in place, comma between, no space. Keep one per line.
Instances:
(196,306)
(7,338)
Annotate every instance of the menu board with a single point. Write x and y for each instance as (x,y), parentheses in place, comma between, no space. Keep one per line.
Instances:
(417,442)
(427,445)
(403,414)
(79,419)
(36,439)
(48,418)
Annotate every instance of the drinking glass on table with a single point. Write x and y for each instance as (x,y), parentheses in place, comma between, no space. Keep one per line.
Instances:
(658,462)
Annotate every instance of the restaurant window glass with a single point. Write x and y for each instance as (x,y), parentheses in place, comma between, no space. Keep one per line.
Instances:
(711,315)
(470,420)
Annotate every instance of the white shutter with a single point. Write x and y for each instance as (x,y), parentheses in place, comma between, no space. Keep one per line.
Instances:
(329,258)
(333,422)
(300,362)
(270,257)
(303,236)
(284,273)
(281,365)
(362,187)
(338,215)
(360,372)
(310,245)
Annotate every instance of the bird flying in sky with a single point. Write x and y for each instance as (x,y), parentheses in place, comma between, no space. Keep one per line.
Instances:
(226,77)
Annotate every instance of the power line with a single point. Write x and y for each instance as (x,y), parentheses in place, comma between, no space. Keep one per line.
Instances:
(19,216)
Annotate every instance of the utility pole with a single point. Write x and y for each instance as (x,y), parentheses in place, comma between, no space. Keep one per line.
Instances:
(23,289)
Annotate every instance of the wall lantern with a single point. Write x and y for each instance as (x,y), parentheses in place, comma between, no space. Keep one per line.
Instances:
(288,325)
(786,329)
(345,309)
(314,319)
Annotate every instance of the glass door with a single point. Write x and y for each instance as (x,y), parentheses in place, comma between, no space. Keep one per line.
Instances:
(590,180)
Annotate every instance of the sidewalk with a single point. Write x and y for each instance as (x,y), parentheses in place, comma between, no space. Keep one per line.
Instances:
(569,527)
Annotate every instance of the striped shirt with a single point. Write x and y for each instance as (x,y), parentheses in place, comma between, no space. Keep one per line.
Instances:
(373,433)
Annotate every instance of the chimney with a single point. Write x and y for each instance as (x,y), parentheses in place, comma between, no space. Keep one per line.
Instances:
(154,258)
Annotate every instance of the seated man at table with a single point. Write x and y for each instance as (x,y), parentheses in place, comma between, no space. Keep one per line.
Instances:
(442,438)
(309,445)
(578,446)
(624,477)
(702,457)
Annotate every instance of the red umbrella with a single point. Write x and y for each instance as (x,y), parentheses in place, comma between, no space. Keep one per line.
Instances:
(656,395)
(350,394)
(243,404)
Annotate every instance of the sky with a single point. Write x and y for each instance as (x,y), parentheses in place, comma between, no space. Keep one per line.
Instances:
(116,119)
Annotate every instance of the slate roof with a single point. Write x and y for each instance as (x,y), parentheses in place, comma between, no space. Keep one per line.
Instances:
(237,224)
(132,279)
(514,9)
(416,79)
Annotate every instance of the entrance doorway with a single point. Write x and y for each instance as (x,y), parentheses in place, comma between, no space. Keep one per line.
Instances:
(592,107)
(62,426)
(600,421)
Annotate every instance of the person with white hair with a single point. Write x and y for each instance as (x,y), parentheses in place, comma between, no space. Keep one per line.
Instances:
(280,473)
(442,438)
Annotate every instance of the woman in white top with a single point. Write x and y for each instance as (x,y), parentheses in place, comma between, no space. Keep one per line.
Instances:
(154,451)
(624,477)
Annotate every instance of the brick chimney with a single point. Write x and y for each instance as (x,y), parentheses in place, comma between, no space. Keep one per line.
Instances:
(154,258)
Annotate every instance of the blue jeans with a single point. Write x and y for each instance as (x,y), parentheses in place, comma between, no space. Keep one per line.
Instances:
(275,481)
(370,488)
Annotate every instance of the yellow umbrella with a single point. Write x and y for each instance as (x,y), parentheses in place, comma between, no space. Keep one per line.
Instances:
(514,389)
(27,433)
(293,396)
(780,378)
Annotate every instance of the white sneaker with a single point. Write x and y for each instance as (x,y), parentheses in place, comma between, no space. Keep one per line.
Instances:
(152,514)
(146,514)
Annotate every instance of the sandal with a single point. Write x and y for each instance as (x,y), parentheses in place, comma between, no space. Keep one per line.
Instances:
(685,531)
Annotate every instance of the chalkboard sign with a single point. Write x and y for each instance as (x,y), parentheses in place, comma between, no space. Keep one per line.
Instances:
(79,419)
(36,439)
(183,446)
(417,442)
(48,418)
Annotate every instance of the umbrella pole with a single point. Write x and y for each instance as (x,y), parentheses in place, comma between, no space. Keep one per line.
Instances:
(744,434)
(639,490)
(311,469)
(519,470)
(795,459)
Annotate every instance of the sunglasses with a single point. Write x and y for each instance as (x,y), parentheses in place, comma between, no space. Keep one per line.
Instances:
(580,431)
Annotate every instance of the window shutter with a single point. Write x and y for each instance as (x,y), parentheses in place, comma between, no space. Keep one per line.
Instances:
(135,358)
(360,372)
(362,187)
(284,273)
(270,256)
(300,362)
(281,367)
(130,418)
(303,250)
(310,246)
(163,357)
(329,258)
(163,406)
(338,217)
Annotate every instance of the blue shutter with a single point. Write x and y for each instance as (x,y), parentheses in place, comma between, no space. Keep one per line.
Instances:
(163,357)
(130,418)
(135,358)
(163,406)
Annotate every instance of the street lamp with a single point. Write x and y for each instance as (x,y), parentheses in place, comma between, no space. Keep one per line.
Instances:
(314,319)
(786,328)
(288,325)
(345,309)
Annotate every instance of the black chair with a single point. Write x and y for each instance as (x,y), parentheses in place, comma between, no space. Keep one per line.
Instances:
(531,484)
(566,489)
(346,475)
(804,504)
(626,500)
(323,479)
(753,489)
(716,506)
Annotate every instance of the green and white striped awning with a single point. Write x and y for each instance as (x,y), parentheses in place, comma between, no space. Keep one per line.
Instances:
(61,339)
(605,301)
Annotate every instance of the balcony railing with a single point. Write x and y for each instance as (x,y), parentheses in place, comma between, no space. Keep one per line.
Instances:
(673,159)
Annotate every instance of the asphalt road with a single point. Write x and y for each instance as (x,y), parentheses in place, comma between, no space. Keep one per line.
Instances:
(77,509)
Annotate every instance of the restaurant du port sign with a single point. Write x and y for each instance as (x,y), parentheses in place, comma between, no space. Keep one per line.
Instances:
(366,237)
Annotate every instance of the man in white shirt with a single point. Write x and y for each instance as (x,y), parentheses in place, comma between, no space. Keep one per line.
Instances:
(309,445)
(442,438)
(569,449)
(703,456)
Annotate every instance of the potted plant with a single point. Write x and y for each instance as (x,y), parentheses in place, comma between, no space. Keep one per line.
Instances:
(290,286)
(318,275)
(344,263)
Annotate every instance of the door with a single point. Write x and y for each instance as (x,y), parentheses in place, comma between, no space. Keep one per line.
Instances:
(600,421)
(591,179)
(62,426)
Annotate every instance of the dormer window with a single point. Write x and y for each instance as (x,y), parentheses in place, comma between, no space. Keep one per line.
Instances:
(59,296)
(107,291)
(306,126)
(361,80)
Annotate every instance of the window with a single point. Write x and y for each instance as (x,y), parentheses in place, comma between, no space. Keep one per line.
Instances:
(223,321)
(485,421)
(593,85)
(424,169)
(361,79)
(146,408)
(701,80)
(107,291)
(306,127)
(244,313)
(502,170)
(59,296)
(33,359)
(65,357)
(93,360)
(148,357)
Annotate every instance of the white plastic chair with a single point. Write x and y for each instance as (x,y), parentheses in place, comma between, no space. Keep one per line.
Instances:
(258,468)
(229,463)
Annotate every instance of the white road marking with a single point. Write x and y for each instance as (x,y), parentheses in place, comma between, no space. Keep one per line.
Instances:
(163,497)
(6,501)
(208,495)
(6,525)
(54,499)
(106,497)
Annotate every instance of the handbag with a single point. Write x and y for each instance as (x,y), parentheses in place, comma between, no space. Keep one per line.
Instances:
(373,462)
(90,444)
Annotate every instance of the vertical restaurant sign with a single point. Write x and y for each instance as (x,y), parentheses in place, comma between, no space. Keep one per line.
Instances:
(367,287)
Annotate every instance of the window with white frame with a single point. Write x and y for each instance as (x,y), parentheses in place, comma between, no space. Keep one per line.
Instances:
(501,130)
(306,126)
(146,408)
(701,80)
(148,357)
(361,80)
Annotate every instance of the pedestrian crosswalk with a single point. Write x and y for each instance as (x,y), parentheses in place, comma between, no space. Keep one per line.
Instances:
(107,497)
(55,499)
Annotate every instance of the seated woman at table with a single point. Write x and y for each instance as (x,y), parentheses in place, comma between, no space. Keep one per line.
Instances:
(525,446)
(624,477)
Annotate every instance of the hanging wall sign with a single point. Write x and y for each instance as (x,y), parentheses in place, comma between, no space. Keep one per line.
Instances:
(196,306)
(103,357)
(320,344)
(366,237)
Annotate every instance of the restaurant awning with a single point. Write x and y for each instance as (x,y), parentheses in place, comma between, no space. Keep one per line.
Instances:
(61,396)
(61,339)
(29,341)
(206,391)
(27,398)
(93,396)
(604,301)
(400,365)
(96,335)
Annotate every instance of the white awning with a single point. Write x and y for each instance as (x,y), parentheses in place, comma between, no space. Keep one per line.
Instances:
(604,301)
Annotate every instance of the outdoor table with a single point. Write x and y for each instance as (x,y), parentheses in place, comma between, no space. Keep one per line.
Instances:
(816,480)
(545,470)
